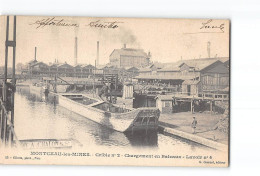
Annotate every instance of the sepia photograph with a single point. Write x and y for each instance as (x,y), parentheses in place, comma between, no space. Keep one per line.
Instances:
(114,91)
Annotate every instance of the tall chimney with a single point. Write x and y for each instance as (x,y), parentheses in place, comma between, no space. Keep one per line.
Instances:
(208,49)
(124,45)
(76,51)
(149,54)
(97,53)
(35,54)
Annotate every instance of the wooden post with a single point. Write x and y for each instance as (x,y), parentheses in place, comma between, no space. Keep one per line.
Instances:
(10,135)
(0,120)
(94,79)
(4,120)
(211,107)
(116,82)
(55,83)
(6,51)
(2,126)
(191,104)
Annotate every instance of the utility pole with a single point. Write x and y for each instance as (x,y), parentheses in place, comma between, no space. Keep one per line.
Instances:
(76,52)
(13,77)
(55,83)
(97,60)
(94,78)
(6,131)
(4,120)
(208,48)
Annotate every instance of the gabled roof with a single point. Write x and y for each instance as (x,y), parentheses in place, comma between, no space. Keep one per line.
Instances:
(61,65)
(147,68)
(84,66)
(223,59)
(78,66)
(129,52)
(65,65)
(87,66)
(198,64)
(131,68)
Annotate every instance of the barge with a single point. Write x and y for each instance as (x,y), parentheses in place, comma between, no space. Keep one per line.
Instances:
(110,115)
(38,88)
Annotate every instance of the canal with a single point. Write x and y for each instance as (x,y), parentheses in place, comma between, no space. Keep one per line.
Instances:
(40,118)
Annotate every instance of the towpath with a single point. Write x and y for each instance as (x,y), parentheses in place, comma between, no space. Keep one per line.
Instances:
(205,127)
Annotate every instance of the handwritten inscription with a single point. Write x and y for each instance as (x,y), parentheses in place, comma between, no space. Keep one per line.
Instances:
(209,25)
(53,22)
(100,24)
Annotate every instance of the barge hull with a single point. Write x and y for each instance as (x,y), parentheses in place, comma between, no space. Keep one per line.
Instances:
(136,119)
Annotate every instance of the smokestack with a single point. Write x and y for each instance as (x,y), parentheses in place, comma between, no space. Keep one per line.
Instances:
(149,54)
(35,54)
(124,46)
(97,53)
(76,51)
(208,49)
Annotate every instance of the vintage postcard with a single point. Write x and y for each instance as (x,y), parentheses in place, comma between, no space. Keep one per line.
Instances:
(114,91)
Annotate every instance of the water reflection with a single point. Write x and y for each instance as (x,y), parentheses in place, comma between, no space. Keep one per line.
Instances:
(40,117)
(143,138)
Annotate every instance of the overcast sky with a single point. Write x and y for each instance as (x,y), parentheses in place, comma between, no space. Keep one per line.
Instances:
(167,39)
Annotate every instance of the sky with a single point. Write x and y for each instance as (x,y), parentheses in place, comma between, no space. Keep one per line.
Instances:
(168,40)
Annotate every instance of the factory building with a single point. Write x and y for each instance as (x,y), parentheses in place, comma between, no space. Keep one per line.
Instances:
(129,57)
(194,76)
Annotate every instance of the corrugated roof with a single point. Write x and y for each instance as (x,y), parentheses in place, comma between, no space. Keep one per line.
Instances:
(130,52)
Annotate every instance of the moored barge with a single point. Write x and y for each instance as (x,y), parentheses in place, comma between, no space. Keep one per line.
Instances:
(111,115)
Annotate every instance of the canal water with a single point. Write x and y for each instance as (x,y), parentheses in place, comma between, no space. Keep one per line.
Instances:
(40,118)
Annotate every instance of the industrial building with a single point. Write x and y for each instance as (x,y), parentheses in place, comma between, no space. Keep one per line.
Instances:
(129,57)
(194,76)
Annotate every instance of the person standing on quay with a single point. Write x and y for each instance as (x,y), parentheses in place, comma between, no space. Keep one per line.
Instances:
(194,125)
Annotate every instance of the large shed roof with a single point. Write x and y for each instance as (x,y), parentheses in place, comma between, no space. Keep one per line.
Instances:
(198,64)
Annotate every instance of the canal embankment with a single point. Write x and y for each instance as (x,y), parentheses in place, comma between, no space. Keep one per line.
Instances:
(179,124)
